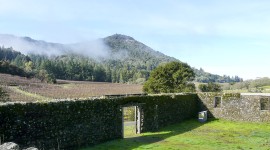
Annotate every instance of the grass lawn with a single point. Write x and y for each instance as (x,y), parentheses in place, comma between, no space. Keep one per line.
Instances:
(189,135)
(266,88)
(130,131)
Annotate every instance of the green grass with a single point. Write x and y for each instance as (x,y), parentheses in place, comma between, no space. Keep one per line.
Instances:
(192,135)
(236,91)
(266,88)
(130,131)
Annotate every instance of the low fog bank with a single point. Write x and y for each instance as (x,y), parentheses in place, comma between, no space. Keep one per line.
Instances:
(93,49)
(27,45)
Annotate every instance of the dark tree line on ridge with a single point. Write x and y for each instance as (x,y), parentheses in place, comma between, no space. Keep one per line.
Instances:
(71,67)
(135,68)
(205,77)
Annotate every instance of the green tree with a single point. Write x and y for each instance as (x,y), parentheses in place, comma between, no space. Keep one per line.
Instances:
(210,87)
(172,77)
(28,66)
(44,76)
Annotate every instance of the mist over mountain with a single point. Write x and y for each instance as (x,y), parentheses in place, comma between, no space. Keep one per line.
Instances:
(116,58)
(27,45)
(116,46)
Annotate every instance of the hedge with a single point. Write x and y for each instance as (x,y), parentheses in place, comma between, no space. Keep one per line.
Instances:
(73,124)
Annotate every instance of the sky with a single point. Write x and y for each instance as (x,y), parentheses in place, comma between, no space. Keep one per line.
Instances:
(230,37)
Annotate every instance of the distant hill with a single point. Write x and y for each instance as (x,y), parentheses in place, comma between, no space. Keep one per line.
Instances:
(116,58)
(134,49)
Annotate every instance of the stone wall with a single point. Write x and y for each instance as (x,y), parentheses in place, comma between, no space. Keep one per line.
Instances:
(235,106)
(14,146)
(73,124)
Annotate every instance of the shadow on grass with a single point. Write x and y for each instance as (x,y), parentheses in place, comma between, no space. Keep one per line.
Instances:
(150,137)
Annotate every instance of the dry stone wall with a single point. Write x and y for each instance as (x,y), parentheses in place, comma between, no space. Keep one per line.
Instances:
(235,106)
(14,146)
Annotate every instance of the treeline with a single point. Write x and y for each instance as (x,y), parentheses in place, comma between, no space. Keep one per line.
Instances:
(8,57)
(15,63)
(6,67)
(249,85)
(204,77)
(72,67)
(8,54)
(129,62)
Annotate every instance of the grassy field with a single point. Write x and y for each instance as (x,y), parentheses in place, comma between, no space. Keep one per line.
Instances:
(266,88)
(130,131)
(22,89)
(192,135)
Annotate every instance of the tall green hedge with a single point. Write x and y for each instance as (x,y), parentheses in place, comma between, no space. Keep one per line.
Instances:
(159,111)
(72,124)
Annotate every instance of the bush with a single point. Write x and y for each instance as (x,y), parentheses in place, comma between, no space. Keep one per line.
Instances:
(4,97)
(44,76)
(210,87)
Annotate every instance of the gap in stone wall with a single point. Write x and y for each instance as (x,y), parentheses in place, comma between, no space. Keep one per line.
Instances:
(129,121)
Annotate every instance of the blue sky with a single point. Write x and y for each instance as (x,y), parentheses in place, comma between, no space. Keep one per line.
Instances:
(229,37)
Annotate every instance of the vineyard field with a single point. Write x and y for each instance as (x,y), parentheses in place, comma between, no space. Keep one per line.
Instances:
(23,89)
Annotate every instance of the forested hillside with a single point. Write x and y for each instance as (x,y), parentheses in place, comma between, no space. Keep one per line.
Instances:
(205,77)
(117,58)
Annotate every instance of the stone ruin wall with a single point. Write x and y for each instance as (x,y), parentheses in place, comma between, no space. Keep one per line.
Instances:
(235,106)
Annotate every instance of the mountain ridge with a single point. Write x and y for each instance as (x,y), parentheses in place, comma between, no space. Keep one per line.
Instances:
(116,52)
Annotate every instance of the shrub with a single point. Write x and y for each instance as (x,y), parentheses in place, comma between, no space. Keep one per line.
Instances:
(3,95)
(210,87)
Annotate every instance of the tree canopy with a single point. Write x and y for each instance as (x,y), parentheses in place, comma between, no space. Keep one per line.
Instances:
(172,77)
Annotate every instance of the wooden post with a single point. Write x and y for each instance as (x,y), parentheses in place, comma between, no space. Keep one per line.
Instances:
(123,125)
(138,120)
